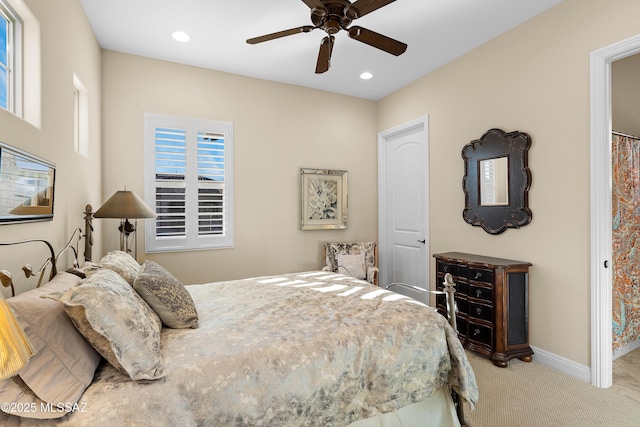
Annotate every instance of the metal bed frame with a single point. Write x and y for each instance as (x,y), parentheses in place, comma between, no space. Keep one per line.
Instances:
(449,291)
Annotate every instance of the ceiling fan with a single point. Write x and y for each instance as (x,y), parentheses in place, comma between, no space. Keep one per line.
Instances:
(333,16)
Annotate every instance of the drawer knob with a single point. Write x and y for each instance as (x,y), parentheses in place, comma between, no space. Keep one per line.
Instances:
(476,332)
(478,311)
(478,275)
(478,293)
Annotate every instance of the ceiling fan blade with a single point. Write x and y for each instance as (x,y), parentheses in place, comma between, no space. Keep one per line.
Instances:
(376,40)
(324,56)
(314,3)
(272,36)
(363,7)
(317,7)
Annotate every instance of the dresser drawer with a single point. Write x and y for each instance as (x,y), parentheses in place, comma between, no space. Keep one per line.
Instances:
(480,311)
(481,275)
(461,324)
(457,270)
(480,334)
(463,305)
(480,292)
(462,288)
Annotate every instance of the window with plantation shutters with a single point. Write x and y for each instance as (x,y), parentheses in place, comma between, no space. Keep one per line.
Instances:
(188,182)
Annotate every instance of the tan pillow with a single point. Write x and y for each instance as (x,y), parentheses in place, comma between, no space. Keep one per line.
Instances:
(352,265)
(117,323)
(166,295)
(122,263)
(64,363)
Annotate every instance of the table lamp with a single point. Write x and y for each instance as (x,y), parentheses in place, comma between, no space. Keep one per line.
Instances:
(126,205)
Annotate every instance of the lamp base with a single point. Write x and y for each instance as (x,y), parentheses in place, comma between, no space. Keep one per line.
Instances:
(126,228)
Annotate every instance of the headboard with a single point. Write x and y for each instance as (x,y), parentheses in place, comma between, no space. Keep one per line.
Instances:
(52,260)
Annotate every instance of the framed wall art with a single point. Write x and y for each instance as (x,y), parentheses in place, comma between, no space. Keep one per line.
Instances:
(26,186)
(324,199)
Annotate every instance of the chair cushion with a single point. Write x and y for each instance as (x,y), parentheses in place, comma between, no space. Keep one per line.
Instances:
(352,265)
(332,249)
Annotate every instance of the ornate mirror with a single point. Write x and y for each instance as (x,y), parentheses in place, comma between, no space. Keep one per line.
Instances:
(496,181)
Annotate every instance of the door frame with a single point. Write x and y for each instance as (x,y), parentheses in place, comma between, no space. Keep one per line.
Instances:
(601,211)
(383,138)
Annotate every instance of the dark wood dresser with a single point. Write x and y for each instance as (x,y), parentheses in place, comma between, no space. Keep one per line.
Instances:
(492,300)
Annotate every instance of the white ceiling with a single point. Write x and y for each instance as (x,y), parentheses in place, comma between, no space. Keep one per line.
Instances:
(437,31)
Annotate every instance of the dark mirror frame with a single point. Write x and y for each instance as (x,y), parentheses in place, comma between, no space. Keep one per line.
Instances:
(27,185)
(493,144)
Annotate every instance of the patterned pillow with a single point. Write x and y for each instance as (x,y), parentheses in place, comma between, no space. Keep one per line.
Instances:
(117,323)
(122,263)
(166,295)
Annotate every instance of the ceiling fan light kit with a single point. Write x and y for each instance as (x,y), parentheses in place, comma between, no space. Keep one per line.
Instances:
(331,16)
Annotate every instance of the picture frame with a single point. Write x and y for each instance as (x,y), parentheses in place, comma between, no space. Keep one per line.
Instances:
(27,186)
(323,198)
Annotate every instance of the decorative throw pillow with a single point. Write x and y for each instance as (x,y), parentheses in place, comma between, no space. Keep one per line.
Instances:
(352,265)
(117,323)
(166,295)
(122,263)
(64,362)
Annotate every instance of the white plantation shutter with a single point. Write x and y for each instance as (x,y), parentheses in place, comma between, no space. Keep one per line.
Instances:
(170,184)
(188,182)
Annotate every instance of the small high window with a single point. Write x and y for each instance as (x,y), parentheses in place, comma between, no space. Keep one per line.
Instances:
(10,48)
(80,118)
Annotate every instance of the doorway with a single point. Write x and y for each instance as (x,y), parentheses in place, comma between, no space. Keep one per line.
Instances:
(403,205)
(601,219)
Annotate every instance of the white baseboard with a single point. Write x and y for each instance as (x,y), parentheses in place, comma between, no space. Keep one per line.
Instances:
(577,370)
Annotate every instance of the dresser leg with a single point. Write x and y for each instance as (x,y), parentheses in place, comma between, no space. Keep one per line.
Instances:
(500,363)
(527,359)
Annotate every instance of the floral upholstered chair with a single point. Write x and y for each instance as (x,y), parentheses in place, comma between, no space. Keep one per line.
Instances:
(357,260)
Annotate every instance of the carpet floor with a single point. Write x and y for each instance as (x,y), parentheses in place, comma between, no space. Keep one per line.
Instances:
(534,395)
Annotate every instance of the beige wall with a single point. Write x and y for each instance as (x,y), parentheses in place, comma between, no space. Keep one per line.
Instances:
(535,79)
(625,95)
(68,47)
(277,130)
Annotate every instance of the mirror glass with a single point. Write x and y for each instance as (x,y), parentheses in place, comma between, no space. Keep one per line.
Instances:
(494,181)
(26,186)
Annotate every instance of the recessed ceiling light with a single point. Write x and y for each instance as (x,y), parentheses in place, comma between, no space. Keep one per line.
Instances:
(366,75)
(181,36)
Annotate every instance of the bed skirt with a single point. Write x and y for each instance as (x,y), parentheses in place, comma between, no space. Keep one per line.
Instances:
(436,411)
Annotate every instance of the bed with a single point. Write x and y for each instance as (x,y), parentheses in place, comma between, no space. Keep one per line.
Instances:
(300,349)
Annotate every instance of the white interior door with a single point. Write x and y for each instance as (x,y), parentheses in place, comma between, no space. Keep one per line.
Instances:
(403,205)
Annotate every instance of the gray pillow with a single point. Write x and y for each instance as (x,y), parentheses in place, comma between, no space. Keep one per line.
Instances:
(166,295)
(117,323)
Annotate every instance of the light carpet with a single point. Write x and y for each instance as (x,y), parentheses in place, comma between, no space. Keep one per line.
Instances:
(534,395)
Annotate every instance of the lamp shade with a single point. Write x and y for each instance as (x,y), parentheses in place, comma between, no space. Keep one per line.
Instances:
(124,204)
(15,348)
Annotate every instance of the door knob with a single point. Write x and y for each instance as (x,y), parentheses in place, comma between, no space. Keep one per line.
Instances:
(422,241)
